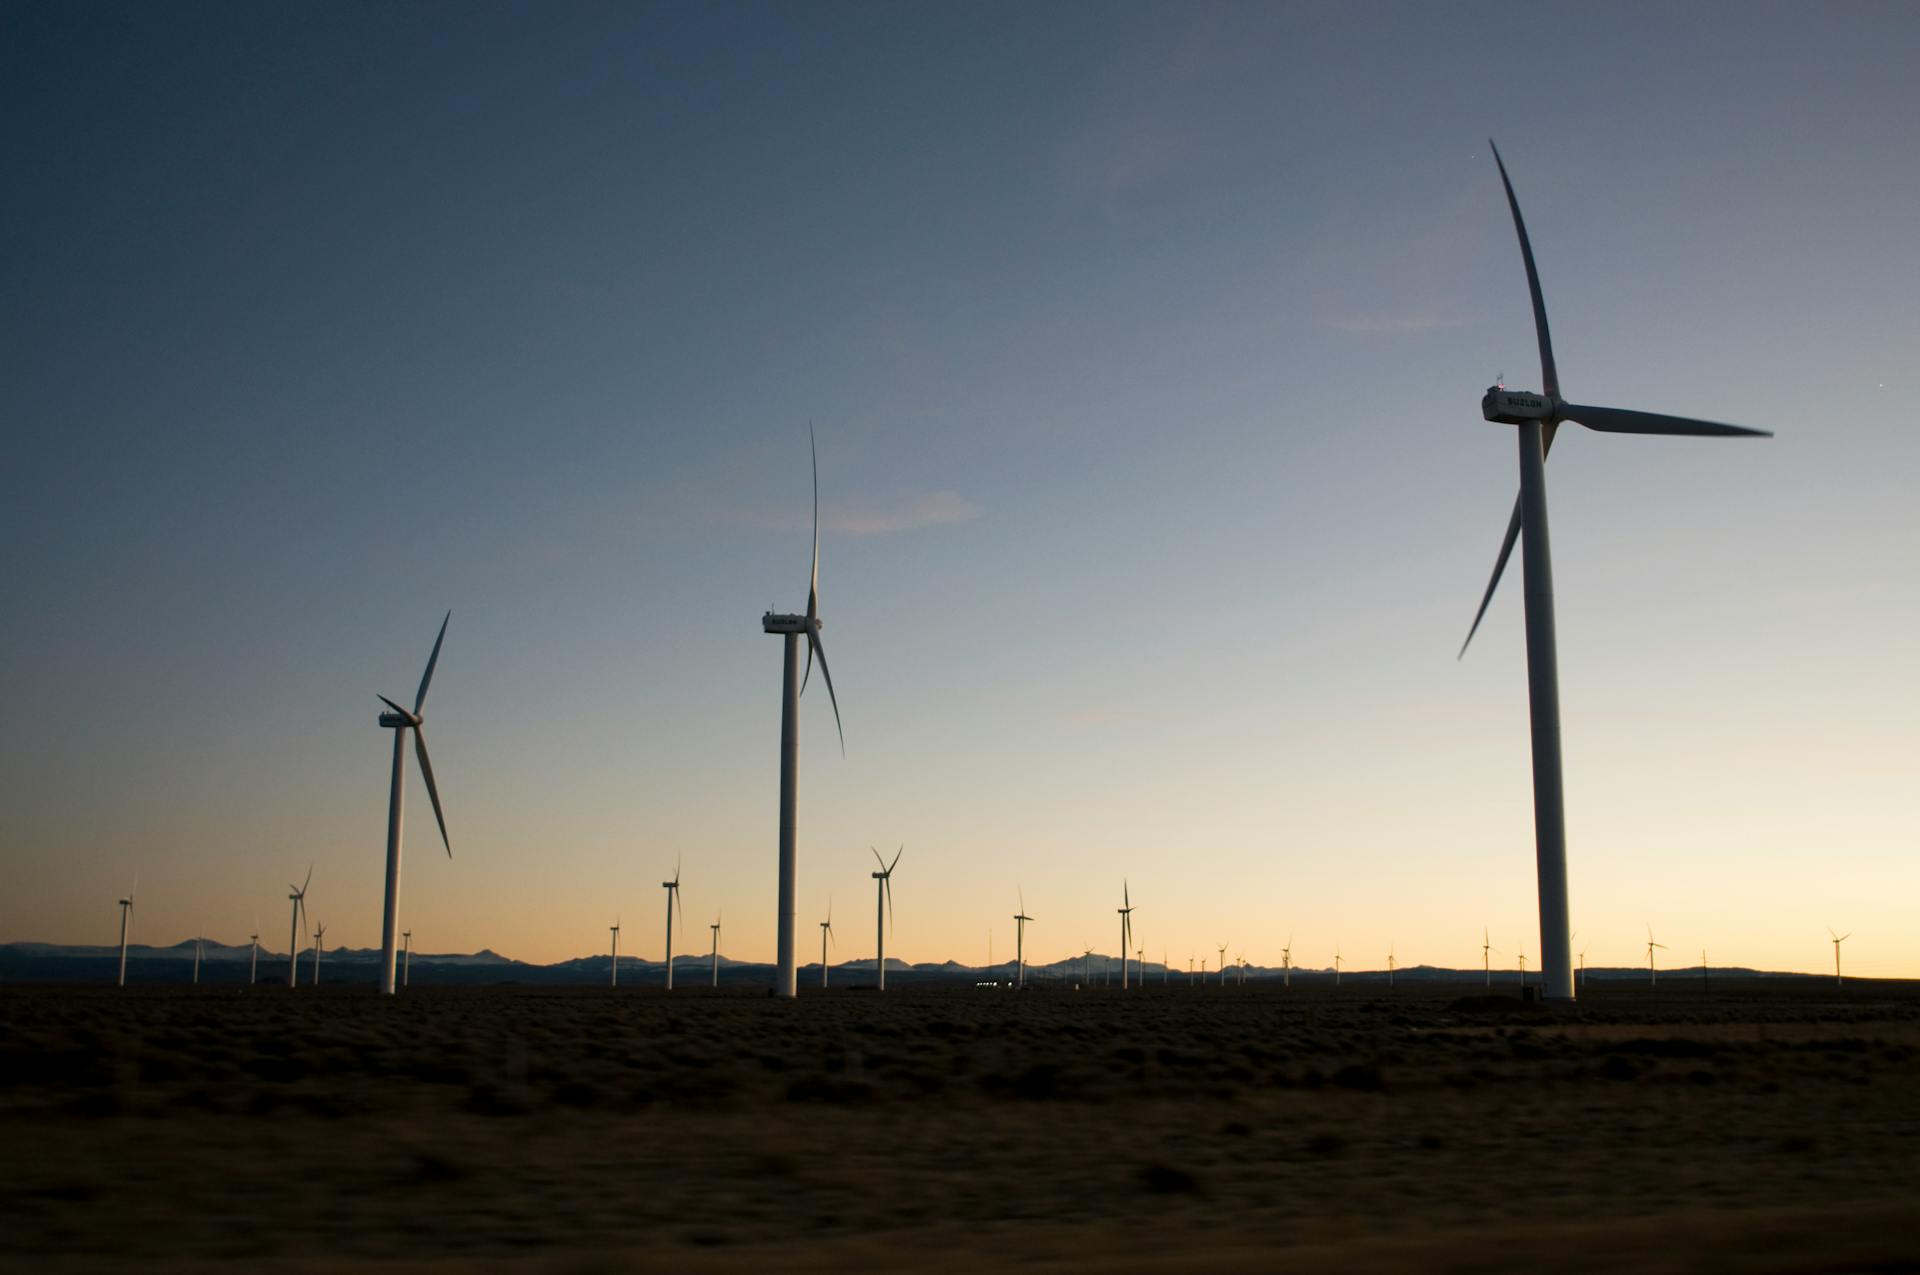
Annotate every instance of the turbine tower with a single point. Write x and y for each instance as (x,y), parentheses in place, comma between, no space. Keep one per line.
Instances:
(1389,968)
(1838,939)
(1126,930)
(198,944)
(400,721)
(1286,965)
(126,915)
(298,895)
(319,939)
(826,936)
(673,901)
(791,627)
(1020,922)
(1336,965)
(406,957)
(882,904)
(1652,977)
(253,964)
(715,927)
(1223,965)
(1538,416)
(613,979)
(1486,955)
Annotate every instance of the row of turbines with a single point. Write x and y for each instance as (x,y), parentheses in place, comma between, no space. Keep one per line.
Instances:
(1537,417)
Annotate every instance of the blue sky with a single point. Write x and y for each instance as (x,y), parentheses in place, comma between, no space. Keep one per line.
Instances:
(1144,347)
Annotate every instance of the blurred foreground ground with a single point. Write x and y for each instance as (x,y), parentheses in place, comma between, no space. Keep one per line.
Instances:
(1764,1126)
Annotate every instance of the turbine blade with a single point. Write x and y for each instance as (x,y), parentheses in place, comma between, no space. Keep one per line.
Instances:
(395,707)
(1499,565)
(1125,899)
(896,857)
(887,882)
(813,644)
(433,789)
(307,882)
(1619,420)
(426,678)
(1549,374)
(876,857)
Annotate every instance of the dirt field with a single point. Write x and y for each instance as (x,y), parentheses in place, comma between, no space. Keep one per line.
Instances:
(1767,1126)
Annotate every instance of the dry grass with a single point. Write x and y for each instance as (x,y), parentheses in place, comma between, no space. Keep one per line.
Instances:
(1764,1127)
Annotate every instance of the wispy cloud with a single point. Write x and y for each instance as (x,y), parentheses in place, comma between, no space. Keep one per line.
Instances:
(1394,323)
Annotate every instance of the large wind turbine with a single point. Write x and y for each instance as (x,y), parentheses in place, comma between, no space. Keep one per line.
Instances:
(791,627)
(1838,939)
(1652,976)
(1223,965)
(298,895)
(882,903)
(673,901)
(1486,954)
(319,938)
(126,918)
(1539,416)
(400,721)
(1126,930)
(1020,920)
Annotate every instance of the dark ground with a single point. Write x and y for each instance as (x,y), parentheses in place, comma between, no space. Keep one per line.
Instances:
(1768,1125)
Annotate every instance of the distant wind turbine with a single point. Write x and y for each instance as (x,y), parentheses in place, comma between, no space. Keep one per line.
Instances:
(1223,965)
(1486,955)
(673,903)
(613,979)
(882,903)
(1652,977)
(319,940)
(1020,923)
(199,943)
(253,964)
(400,721)
(1336,965)
(715,927)
(826,936)
(1838,939)
(406,957)
(791,627)
(1389,968)
(1538,417)
(1126,930)
(126,915)
(298,896)
(1286,965)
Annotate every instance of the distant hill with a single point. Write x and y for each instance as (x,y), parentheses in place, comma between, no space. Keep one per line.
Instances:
(229,963)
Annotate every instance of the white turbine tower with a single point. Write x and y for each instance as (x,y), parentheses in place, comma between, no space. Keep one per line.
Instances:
(1652,977)
(1838,939)
(126,924)
(297,894)
(319,940)
(1486,955)
(1336,965)
(1538,417)
(826,937)
(613,978)
(1389,968)
(791,627)
(253,965)
(715,927)
(400,721)
(1020,922)
(673,901)
(1126,930)
(1286,965)
(882,905)
(199,944)
(1223,965)
(406,957)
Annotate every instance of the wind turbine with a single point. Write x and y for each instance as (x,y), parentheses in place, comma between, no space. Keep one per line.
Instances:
(1539,416)
(1286,965)
(826,936)
(1486,955)
(1223,965)
(613,979)
(1087,957)
(1336,965)
(673,901)
(715,927)
(298,895)
(253,964)
(126,915)
(1126,930)
(882,899)
(1020,921)
(400,721)
(319,939)
(1583,969)
(1140,965)
(1389,967)
(406,957)
(1241,961)
(1652,978)
(1523,967)
(199,943)
(791,627)
(1838,939)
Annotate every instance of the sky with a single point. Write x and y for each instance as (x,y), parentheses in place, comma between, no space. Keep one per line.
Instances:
(1143,345)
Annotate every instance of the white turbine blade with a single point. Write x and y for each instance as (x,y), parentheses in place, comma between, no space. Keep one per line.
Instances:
(813,644)
(395,707)
(886,884)
(307,882)
(1499,565)
(426,678)
(433,789)
(876,856)
(1549,375)
(1125,900)
(896,858)
(1619,420)
(813,579)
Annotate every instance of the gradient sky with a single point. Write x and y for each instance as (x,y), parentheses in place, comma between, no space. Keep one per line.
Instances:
(1144,345)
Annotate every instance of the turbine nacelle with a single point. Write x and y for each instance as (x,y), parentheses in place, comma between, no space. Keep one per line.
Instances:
(771,623)
(1517,407)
